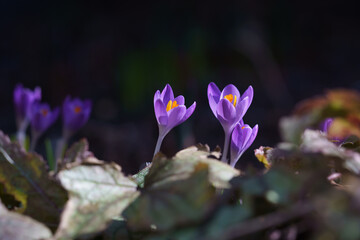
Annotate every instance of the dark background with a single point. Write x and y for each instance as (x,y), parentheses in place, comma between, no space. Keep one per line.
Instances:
(119,53)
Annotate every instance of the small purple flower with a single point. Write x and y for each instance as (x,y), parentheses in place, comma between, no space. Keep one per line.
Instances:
(43,117)
(242,137)
(324,126)
(23,100)
(229,107)
(75,113)
(169,112)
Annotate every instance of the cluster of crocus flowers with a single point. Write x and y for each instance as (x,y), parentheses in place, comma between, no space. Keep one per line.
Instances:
(229,107)
(40,116)
(169,112)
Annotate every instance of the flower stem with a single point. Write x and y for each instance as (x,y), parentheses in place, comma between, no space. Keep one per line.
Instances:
(226,147)
(158,144)
(35,137)
(21,133)
(234,161)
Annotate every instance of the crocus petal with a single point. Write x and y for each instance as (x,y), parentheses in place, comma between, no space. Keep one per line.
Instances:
(230,89)
(241,122)
(37,93)
(226,114)
(252,137)
(180,100)
(238,138)
(241,139)
(213,96)
(246,132)
(157,95)
(324,126)
(160,112)
(248,93)
(40,122)
(189,112)
(175,117)
(167,94)
(241,108)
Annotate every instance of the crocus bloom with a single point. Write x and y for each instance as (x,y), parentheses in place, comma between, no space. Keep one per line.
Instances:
(75,114)
(169,112)
(242,137)
(229,107)
(23,100)
(42,119)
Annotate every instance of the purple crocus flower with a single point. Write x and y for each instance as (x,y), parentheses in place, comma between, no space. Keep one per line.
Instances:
(42,118)
(229,107)
(75,114)
(242,137)
(23,100)
(169,112)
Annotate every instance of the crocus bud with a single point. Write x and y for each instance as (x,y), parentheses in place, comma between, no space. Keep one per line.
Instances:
(242,137)
(169,112)
(23,100)
(43,117)
(75,113)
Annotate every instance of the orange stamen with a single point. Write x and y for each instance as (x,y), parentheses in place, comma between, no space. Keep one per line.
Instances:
(230,98)
(77,109)
(171,105)
(44,112)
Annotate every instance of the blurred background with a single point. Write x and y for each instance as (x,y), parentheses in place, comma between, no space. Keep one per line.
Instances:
(119,53)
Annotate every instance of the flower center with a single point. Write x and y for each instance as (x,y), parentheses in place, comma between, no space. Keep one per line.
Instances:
(44,112)
(77,109)
(171,105)
(230,98)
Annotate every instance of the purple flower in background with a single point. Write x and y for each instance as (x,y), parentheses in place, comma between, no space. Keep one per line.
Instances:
(23,100)
(242,137)
(75,114)
(42,118)
(324,126)
(229,107)
(169,112)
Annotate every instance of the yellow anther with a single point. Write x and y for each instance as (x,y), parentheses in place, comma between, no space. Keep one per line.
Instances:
(174,105)
(168,107)
(242,127)
(230,98)
(171,105)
